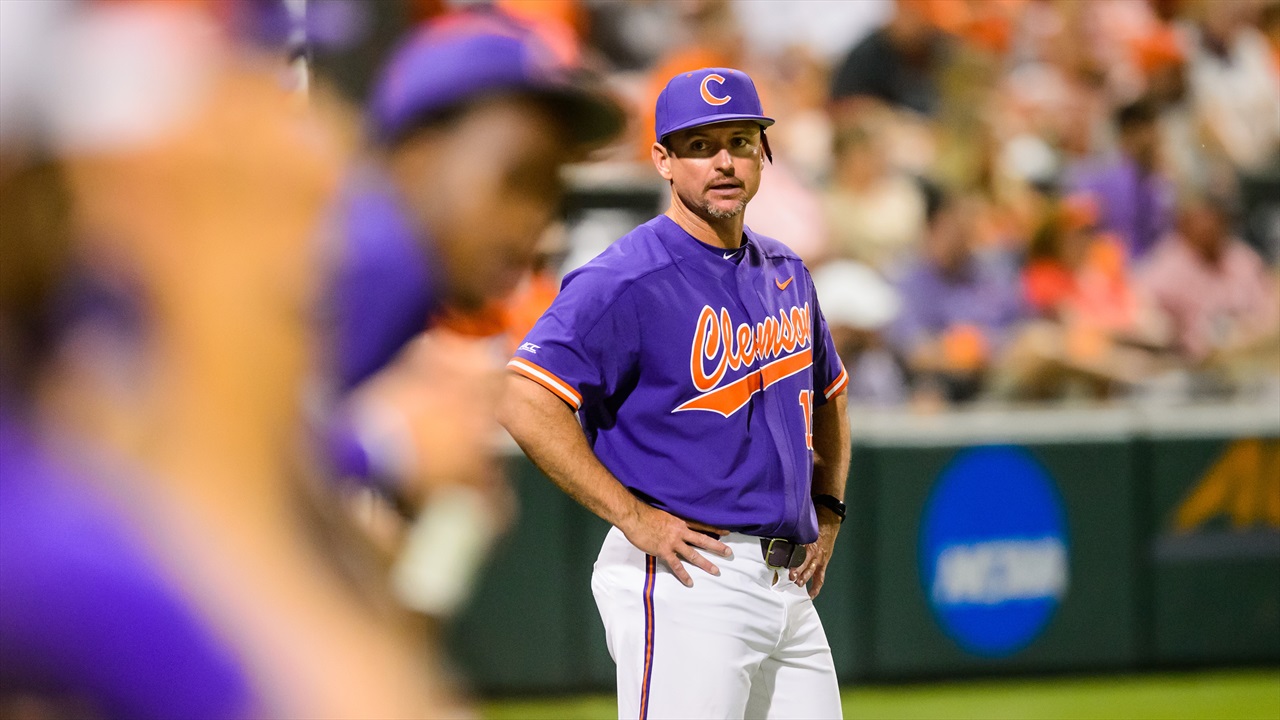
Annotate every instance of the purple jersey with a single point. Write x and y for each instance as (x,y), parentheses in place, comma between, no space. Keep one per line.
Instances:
(86,617)
(387,283)
(696,371)
(384,290)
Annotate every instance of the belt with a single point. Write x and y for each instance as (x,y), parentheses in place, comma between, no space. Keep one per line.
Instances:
(780,553)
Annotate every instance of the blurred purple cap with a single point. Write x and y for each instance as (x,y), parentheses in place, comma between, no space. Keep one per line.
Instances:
(464,57)
(706,96)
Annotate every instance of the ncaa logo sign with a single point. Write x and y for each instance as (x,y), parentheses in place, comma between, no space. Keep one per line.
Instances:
(993,550)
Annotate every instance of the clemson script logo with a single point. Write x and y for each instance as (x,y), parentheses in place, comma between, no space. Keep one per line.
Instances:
(707,96)
(782,346)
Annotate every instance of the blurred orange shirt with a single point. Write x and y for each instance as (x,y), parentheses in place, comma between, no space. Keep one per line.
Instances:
(1099,293)
(511,318)
(1046,284)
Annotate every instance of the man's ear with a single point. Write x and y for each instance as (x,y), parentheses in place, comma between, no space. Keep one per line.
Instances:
(661,160)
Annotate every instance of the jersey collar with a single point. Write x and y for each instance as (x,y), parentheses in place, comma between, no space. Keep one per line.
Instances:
(692,252)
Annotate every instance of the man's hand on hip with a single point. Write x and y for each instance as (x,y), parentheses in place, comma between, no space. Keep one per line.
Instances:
(818,553)
(672,540)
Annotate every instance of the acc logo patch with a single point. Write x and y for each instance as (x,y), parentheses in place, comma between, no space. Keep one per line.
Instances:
(707,96)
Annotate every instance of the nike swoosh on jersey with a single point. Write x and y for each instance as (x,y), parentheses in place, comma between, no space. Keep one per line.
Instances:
(783,285)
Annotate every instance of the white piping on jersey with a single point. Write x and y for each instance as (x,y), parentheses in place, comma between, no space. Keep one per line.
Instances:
(547,379)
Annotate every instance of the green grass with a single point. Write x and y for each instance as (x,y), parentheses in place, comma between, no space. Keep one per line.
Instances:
(1236,695)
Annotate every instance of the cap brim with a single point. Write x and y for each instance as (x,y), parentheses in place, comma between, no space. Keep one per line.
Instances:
(716,120)
(591,116)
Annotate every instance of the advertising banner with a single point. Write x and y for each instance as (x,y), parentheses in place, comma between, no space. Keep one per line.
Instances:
(1215,549)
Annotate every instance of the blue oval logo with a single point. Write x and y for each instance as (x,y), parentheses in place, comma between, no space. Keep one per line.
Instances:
(993,550)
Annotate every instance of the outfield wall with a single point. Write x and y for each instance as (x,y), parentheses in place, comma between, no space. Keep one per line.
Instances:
(978,542)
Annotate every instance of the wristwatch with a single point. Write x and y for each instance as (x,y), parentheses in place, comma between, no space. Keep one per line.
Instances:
(831,503)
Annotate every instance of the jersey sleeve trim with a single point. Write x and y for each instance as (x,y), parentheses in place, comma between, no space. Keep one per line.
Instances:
(548,380)
(837,385)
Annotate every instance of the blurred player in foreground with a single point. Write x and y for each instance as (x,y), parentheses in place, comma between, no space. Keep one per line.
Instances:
(714,407)
(473,118)
(166,547)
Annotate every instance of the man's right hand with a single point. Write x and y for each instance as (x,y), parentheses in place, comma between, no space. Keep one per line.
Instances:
(549,433)
(673,540)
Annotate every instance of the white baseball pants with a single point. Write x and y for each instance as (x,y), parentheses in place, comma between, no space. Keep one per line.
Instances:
(735,646)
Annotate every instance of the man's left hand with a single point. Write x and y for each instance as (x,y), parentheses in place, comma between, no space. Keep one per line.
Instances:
(818,554)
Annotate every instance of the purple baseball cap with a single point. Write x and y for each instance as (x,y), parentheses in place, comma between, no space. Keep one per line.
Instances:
(706,96)
(470,55)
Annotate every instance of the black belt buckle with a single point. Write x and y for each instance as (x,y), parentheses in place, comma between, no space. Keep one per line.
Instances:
(780,553)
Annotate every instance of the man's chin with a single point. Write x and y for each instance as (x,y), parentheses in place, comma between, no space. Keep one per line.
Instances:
(725,212)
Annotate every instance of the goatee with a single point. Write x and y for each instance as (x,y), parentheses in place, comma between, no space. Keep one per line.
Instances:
(732,212)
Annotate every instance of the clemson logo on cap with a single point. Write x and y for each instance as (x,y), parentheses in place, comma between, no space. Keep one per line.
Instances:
(706,93)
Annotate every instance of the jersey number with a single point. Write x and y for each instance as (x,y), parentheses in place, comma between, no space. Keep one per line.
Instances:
(806,404)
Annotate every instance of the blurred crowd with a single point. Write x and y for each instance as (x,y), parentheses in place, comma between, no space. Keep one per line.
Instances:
(1006,200)
(263,261)
(1068,220)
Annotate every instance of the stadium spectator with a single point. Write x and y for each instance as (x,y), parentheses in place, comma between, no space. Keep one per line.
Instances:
(875,213)
(859,304)
(630,37)
(1136,200)
(959,308)
(1095,332)
(1161,57)
(1236,90)
(1220,296)
(898,63)
(797,85)
(1075,273)
(787,206)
